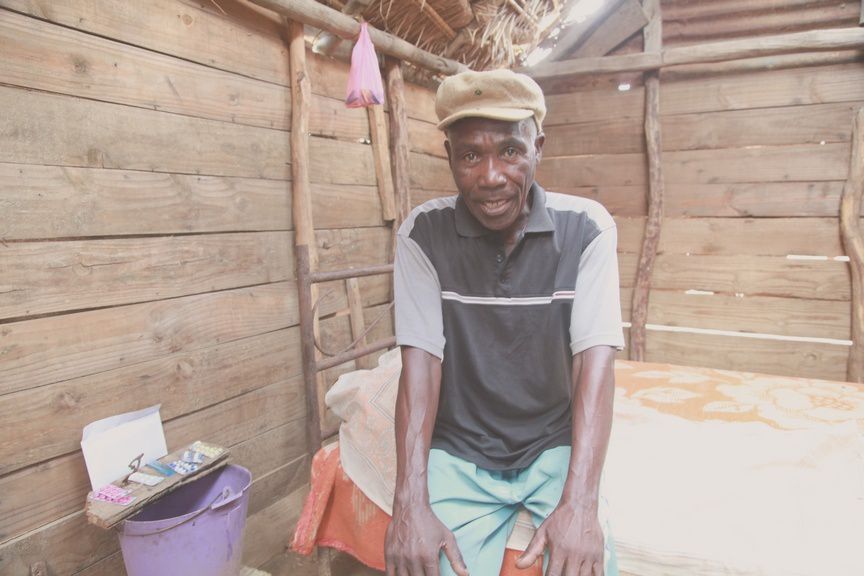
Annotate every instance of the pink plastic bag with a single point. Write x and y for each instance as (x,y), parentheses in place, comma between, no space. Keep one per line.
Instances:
(364,80)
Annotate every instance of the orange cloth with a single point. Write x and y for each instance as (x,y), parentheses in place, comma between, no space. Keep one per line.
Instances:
(338,515)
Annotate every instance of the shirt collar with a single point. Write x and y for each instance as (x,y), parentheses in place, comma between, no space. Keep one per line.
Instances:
(538,217)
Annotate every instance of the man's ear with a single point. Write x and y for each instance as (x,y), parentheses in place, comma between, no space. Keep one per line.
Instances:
(449,150)
(538,145)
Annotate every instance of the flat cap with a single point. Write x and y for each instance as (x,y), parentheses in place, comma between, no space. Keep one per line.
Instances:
(495,94)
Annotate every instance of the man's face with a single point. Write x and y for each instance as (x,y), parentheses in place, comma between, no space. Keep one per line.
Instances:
(493,163)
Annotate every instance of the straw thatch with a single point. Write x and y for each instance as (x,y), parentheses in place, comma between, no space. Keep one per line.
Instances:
(482,34)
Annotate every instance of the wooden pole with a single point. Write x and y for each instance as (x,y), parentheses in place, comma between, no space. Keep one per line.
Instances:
(810,41)
(358,322)
(399,143)
(381,155)
(853,244)
(639,309)
(318,15)
(301,99)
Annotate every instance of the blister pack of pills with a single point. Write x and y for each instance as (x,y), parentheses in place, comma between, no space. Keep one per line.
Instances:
(113,494)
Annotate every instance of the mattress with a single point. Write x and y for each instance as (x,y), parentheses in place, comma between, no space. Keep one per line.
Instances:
(708,471)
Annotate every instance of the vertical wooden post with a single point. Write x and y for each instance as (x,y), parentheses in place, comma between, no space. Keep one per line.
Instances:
(358,322)
(381,154)
(653,37)
(399,137)
(853,244)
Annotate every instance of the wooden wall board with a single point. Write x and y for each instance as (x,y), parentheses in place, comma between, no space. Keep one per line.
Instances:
(752,236)
(52,58)
(619,136)
(754,276)
(37,496)
(47,350)
(618,200)
(761,199)
(40,128)
(270,529)
(790,125)
(630,230)
(762,314)
(802,359)
(430,173)
(45,422)
(595,106)
(593,169)
(806,162)
(56,276)
(765,89)
(717,26)
(65,202)
(627,263)
(425,138)
(329,118)
(251,46)
(336,162)
(582,83)
(346,206)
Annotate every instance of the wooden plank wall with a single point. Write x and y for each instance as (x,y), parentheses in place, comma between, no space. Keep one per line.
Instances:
(146,251)
(755,163)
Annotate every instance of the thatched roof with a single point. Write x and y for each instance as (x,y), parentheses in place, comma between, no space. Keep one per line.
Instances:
(482,34)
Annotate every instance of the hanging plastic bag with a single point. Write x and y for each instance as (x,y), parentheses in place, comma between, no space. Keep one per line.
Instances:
(364,80)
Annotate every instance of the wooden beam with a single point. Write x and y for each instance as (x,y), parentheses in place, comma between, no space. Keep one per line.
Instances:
(381,153)
(320,16)
(358,322)
(327,42)
(653,36)
(301,96)
(810,41)
(853,244)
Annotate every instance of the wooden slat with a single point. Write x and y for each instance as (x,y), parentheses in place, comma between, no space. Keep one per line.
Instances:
(426,138)
(793,87)
(55,59)
(802,359)
(266,531)
(336,162)
(763,314)
(38,128)
(381,155)
(793,125)
(54,489)
(42,277)
(54,202)
(766,199)
(46,350)
(590,170)
(619,136)
(618,200)
(595,106)
(758,164)
(40,419)
(630,230)
(248,44)
(752,237)
(328,117)
(430,173)
(754,276)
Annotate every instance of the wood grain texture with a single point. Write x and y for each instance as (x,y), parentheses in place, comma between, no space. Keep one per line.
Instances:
(43,277)
(628,19)
(381,155)
(800,359)
(247,43)
(754,276)
(852,234)
(39,128)
(763,314)
(752,236)
(41,421)
(46,350)
(52,58)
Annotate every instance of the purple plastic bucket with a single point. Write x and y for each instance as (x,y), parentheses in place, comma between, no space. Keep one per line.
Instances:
(197,530)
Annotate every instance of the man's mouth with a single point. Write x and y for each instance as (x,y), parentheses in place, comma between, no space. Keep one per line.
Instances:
(494,207)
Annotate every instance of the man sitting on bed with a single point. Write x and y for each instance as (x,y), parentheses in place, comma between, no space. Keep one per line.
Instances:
(522,287)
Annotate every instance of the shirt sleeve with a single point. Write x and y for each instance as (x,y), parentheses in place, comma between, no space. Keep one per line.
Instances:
(596,316)
(417,292)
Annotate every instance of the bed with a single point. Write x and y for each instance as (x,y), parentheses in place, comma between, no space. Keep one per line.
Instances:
(709,472)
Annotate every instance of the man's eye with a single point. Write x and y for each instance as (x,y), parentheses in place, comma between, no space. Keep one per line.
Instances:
(510,151)
(470,157)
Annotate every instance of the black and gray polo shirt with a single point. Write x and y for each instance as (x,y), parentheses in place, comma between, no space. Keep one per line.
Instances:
(506,327)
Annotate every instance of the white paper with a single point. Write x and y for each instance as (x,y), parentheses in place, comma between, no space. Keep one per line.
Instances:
(110,444)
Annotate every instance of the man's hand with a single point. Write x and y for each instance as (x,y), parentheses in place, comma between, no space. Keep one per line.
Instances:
(575,542)
(414,541)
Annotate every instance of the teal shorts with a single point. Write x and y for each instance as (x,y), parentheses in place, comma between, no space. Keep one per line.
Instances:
(480,506)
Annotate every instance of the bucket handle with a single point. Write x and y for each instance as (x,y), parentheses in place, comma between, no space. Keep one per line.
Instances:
(228,496)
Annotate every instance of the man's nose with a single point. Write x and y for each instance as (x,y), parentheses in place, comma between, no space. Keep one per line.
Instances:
(491,174)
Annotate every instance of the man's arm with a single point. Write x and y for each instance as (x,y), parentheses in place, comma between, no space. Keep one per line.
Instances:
(415,536)
(572,532)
